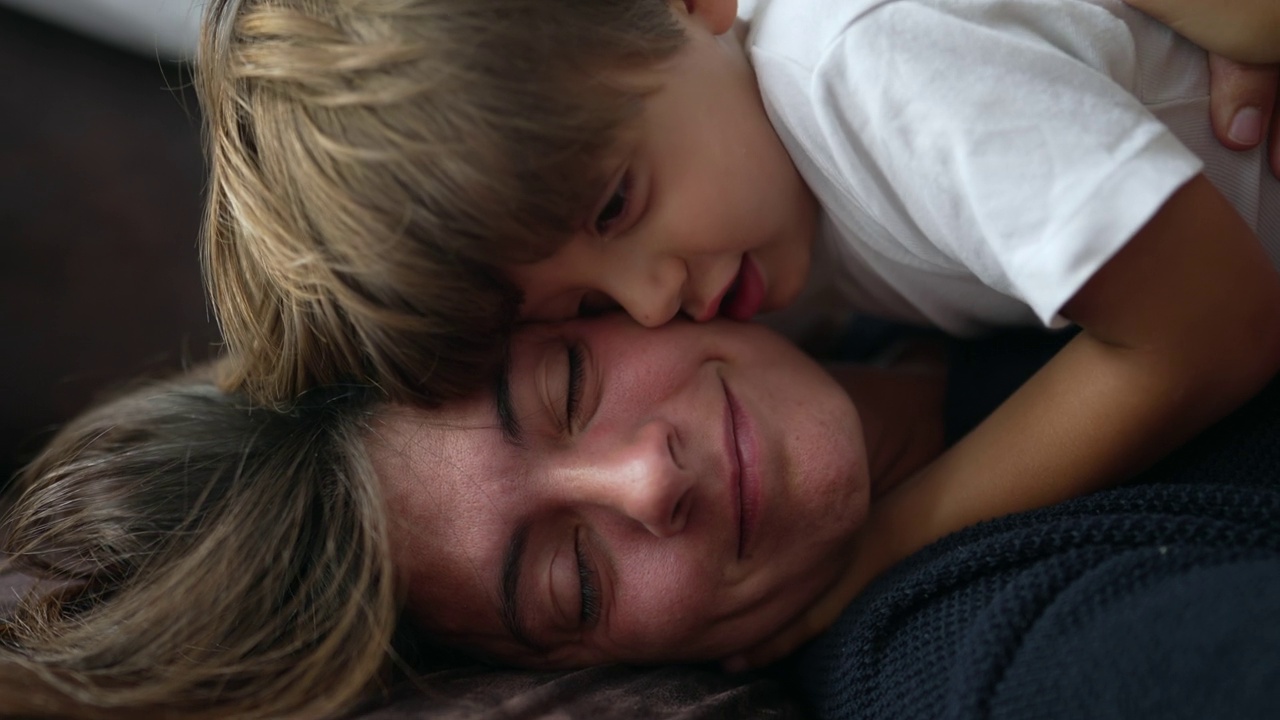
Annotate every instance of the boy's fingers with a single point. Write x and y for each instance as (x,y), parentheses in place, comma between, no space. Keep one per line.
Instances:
(1242,100)
(1243,106)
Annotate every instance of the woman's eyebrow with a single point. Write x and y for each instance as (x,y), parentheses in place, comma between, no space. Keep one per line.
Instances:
(512,562)
(508,419)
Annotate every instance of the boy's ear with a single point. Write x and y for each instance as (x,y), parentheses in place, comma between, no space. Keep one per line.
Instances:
(717,15)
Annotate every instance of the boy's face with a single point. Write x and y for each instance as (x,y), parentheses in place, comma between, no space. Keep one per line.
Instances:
(704,212)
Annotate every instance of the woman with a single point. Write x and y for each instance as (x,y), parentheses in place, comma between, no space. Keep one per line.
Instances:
(240,560)
(677,494)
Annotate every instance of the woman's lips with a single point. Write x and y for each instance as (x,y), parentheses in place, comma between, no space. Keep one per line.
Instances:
(745,484)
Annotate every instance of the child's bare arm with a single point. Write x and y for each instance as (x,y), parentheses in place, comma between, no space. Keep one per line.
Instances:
(1178,329)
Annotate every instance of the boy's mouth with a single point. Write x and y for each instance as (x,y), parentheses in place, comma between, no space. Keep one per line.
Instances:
(746,294)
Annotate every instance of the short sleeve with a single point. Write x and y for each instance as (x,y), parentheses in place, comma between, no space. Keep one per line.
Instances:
(1010,136)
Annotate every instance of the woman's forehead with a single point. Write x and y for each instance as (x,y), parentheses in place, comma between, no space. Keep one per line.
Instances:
(443,459)
(448,520)
(416,434)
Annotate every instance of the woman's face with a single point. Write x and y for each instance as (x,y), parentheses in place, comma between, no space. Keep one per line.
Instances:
(625,494)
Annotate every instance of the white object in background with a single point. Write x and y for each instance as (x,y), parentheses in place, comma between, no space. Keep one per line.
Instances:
(156,28)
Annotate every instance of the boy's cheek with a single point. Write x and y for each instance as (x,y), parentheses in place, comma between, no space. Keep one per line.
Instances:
(786,272)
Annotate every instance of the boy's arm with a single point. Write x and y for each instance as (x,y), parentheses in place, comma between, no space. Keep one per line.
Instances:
(1243,30)
(1178,329)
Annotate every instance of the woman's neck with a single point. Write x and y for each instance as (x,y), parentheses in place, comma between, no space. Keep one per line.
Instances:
(901,411)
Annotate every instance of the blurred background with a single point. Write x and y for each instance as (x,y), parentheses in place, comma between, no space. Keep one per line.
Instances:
(101,176)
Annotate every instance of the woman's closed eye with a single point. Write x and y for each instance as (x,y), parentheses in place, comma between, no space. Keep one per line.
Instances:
(573,390)
(589,592)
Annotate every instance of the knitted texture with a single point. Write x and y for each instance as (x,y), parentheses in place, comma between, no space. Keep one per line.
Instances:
(1159,599)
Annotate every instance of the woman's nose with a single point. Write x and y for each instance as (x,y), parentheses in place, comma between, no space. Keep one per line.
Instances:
(652,292)
(642,479)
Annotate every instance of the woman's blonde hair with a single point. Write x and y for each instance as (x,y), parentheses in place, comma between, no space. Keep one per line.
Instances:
(374,162)
(198,558)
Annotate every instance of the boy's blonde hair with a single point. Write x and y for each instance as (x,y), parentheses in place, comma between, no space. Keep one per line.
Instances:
(374,162)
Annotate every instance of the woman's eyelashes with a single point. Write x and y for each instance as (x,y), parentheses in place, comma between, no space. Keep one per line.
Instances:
(615,207)
(588,589)
(573,390)
(589,608)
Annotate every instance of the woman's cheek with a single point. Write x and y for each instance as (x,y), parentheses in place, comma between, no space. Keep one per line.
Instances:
(666,603)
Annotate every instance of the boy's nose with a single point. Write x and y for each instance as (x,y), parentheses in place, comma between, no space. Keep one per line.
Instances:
(642,480)
(652,292)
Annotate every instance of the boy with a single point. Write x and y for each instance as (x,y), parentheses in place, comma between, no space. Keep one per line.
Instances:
(370,166)
(590,153)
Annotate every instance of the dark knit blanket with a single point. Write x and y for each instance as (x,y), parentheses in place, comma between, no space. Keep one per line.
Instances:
(1160,599)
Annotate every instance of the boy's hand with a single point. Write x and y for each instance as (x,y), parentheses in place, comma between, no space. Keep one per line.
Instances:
(1243,38)
(1242,105)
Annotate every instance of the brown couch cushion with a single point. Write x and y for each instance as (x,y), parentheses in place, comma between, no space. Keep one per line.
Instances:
(100,205)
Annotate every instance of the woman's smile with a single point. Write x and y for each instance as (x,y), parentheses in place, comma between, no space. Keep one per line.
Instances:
(747,466)
(626,495)
(734,453)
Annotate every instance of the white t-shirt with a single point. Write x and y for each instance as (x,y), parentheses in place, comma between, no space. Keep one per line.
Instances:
(978,160)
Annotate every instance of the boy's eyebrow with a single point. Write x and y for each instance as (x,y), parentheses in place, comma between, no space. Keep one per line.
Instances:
(512,561)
